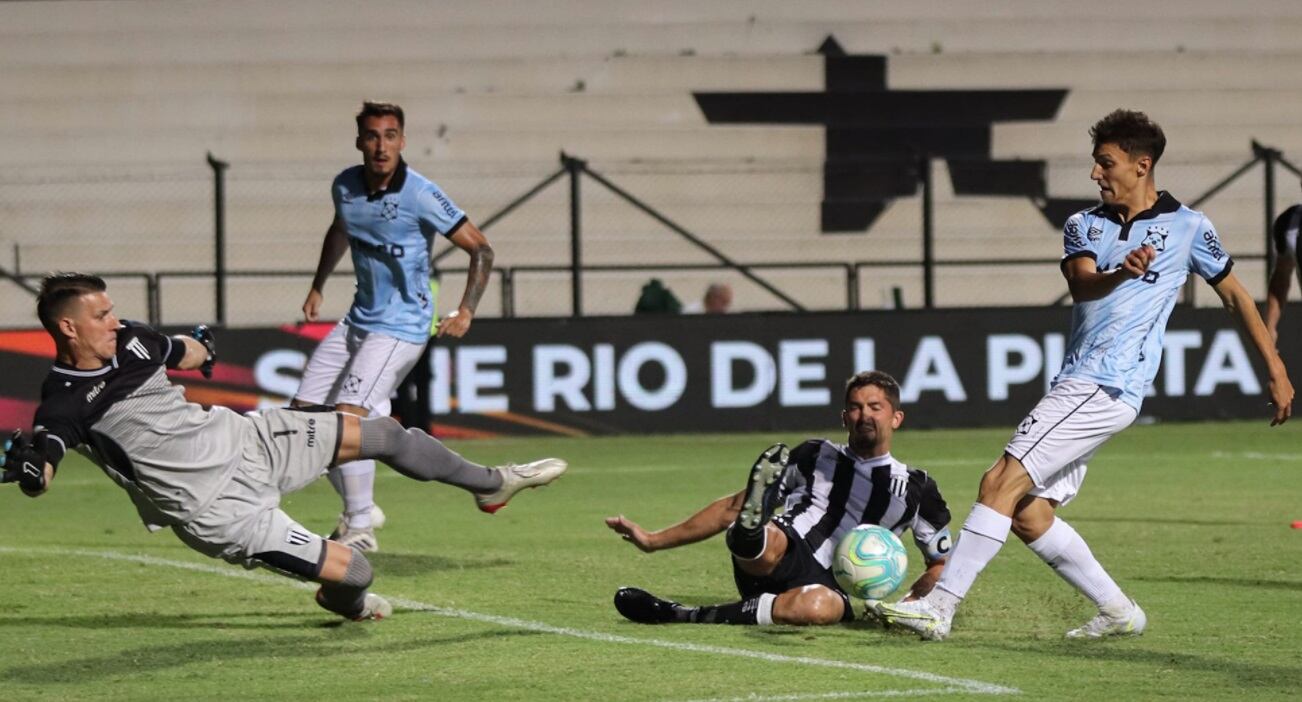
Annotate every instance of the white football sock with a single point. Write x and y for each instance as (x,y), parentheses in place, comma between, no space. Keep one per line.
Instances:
(764,613)
(356,484)
(1070,557)
(984,533)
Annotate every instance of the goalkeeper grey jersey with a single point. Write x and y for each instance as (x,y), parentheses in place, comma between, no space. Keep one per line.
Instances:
(172,456)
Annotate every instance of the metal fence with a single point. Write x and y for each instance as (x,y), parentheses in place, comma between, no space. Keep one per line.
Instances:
(236,243)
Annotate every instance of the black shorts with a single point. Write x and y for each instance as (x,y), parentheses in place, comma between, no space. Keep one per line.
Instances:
(797,568)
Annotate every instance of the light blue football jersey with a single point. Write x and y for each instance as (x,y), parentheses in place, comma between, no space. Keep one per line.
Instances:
(390,233)
(1116,341)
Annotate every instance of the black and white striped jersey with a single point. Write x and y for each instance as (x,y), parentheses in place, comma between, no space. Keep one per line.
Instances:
(1285,231)
(172,456)
(831,491)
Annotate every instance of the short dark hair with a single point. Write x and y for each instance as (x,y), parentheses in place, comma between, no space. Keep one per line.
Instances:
(881,379)
(1132,131)
(380,109)
(58,289)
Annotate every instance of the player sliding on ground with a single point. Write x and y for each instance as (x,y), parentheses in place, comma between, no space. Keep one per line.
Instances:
(214,476)
(782,564)
(1125,262)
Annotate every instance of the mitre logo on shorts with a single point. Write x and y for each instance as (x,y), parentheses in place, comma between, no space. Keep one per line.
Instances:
(298,537)
(311,433)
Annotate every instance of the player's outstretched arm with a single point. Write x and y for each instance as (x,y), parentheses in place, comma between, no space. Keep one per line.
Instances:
(468,238)
(1239,303)
(1281,279)
(1086,282)
(25,464)
(711,520)
(927,580)
(332,249)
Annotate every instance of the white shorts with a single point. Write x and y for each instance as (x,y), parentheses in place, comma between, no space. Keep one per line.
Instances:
(356,367)
(1062,432)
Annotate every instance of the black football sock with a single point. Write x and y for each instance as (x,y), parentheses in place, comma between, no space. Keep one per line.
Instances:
(744,543)
(743,612)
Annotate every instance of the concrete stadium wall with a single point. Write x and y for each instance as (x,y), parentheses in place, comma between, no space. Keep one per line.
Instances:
(110,108)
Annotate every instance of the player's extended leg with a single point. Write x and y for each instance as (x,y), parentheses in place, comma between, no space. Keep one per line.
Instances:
(984,532)
(1059,546)
(345,576)
(355,483)
(420,456)
(805,605)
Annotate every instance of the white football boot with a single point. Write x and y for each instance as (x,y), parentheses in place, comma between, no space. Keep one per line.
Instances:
(918,616)
(1131,623)
(518,477)
(374,608)
(360,539)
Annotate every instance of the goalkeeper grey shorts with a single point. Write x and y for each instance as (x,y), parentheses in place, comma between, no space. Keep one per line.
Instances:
(245,524)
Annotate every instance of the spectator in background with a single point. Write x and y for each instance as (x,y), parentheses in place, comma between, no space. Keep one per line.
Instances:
(717,300)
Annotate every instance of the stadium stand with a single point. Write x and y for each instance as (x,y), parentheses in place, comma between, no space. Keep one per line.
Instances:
(110,109)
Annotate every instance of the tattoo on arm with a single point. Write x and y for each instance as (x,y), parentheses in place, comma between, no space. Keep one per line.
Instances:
(481,265)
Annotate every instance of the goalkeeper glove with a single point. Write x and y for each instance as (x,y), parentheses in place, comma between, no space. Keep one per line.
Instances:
(24,464)
(203,335)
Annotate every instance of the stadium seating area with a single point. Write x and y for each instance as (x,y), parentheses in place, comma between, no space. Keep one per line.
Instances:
(110,109)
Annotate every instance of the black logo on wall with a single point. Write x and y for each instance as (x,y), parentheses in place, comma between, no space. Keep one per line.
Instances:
(876,137)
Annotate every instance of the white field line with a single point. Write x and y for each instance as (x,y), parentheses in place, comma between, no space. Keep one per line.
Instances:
(952,684)
(848,695)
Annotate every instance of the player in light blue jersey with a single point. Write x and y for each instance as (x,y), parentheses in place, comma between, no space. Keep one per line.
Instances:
(1124,262)
(389,216)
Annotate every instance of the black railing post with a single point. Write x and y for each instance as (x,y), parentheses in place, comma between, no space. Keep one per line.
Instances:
(851,287)
(1268,156)
(575,168)
(928,235)
(151,300)
(508,292)
(219,236)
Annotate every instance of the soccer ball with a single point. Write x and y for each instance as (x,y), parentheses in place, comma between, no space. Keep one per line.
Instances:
(870,562)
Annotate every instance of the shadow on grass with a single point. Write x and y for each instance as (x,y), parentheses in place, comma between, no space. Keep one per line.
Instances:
(151,659)
(153,620)
(1247,675)
(1170,521)
(1254,583)
(422,564)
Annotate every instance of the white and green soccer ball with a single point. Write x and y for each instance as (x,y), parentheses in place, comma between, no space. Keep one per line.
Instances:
(870,562)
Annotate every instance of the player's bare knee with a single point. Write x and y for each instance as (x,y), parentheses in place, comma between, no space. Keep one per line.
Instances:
(813,605)
(1004,484)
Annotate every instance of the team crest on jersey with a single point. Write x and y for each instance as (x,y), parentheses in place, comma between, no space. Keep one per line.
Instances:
(1025,426)
(1094,234)
(1156,238)
(389,210)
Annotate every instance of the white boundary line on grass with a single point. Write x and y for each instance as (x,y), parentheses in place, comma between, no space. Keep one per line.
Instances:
(954,685)
(850,695)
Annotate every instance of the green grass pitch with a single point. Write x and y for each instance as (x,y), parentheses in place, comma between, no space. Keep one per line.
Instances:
(1192,520)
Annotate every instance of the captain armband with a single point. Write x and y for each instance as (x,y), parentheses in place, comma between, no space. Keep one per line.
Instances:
(938,546)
